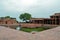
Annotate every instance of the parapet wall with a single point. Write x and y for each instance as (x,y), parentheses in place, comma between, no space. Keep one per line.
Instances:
(37,25)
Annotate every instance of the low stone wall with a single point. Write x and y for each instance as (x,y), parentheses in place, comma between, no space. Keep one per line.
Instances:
(31,25)
(28,25)
(50,26)
(13,26)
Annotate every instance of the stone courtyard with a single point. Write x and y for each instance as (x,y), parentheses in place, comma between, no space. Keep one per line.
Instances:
(11,34)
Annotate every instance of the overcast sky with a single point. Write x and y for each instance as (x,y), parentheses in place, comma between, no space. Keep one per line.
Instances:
(37,8)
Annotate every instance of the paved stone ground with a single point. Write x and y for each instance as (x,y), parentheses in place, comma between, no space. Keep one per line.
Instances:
(51,34)
(11,34)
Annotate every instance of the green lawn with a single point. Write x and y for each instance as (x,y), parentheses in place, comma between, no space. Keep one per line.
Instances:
(33,29)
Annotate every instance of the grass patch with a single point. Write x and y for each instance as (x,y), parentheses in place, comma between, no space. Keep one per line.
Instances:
(33,29)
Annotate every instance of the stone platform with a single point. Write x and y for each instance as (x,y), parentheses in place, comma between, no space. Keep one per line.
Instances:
(11,34)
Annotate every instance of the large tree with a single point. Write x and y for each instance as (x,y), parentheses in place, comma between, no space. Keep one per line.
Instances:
(25,16)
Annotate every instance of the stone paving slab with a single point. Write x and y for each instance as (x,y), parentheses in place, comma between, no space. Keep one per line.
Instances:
(51,34)
(11,34)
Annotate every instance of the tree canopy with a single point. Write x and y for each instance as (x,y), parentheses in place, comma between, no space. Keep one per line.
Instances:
(7,16)
(25,16)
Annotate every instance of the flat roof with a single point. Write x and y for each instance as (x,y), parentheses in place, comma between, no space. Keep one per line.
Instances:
(39,18)
(56,14)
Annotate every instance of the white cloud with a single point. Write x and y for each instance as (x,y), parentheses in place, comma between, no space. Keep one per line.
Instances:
(37,8)
(21,5)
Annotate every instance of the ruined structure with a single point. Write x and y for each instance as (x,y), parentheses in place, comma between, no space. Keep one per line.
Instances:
(8,20)
(53,20)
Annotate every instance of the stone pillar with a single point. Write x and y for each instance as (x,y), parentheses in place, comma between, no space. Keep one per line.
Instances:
(52,21)
(59,21)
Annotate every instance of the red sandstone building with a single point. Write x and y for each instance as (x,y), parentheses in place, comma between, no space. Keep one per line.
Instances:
(35,22)
(8,21)
(53,20)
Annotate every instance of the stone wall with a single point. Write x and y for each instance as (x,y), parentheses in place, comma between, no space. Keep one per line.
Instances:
(31,25)
(8,21)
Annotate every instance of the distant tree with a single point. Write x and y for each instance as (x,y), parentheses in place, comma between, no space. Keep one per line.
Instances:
(25,16)
(2,17)
(7,16)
